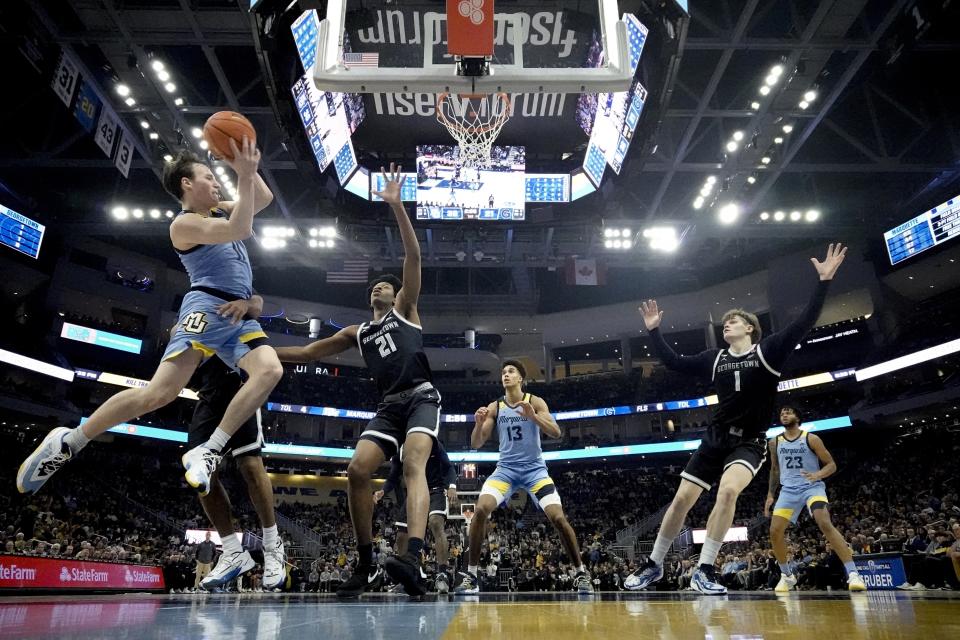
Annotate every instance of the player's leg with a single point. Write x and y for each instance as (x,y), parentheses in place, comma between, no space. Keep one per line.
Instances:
(821,515)
(778,540)
(436,524)
(732,483)
(486,504)
(260,490)
(406,568)
(553,509)
(264,371)
(234,561)
(62,443)
(367,458)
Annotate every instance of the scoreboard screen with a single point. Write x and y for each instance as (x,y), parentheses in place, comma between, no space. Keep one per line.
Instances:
(547,187)
(20,233)
(927,230)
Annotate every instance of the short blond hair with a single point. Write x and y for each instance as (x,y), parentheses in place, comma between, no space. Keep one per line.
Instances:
(747,317)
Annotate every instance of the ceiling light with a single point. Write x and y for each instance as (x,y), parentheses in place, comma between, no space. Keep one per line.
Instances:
(765,159)
(705,191)
(609,233)
(130,102)
(168,213)
(204,145)
(167,158)
(170,87)
(123,90)
(751,179)
(327,232)
(617,244)
(711,179)
(738,135)
(728,213)
(196,132)
(157,65)
(787,128)
(779,216)
(625,233)
(144,124)
(137,213)
(812,215)
(154,135)
(273,243)
(220,171)
(776,70)
(627,244)
(794,216)
(755,105)
(178,101)
(771,80)
(330,244)
(778,140)
(804,104)
(155,214)
(698,202)
(163,76)
(608,244)
(312,244)
(764,90)
(732,146)
(810,95)
(120,213)
(764,216)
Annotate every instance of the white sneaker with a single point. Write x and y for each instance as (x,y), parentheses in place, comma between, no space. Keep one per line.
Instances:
(228,568)
(200,463)
(45,460)
(906,586)
(787,583)
(274,566)
(855,582)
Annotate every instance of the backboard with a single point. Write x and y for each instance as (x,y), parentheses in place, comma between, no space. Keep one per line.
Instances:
(387,47)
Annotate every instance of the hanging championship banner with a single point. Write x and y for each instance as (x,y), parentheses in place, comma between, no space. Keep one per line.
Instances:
(124,152)
(85,110)
(107,128)
(65,79)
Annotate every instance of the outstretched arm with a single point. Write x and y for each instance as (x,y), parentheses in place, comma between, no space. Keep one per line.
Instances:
(410,293)
(699,365)
(337,343)
(778,347)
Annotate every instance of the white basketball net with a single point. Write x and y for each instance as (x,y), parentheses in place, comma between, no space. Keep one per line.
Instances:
(474,121)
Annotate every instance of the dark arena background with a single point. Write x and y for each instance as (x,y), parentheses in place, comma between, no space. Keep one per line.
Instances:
(745,143)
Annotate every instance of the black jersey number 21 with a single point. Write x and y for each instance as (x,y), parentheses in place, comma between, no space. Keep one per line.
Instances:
(386,345)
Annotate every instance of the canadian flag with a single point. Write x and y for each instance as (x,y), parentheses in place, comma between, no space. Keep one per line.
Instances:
(585,271)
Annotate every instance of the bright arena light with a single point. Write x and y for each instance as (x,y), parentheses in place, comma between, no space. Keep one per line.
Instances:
(765,159)
(167,157)
(778,140)
(711,179)
(779,216)
(273,243)
(755,105)
(170,87)
(609,233)
(157,65)
(154,135)
(764,216)
(608,244)
(662,238)
(751,179)
(122,90)
(803,104)
(129,101)
(812,215)
(728,213)
(204,145)
(810,95)
(764,90)
(163,76)
(738,135)
(698,202)
(787,128)
(155,214)
(776,70)
(220,171)
(626,233)
(732,146)
(327,232)
(771,80)
(120,213)
(196,132)
(794,216)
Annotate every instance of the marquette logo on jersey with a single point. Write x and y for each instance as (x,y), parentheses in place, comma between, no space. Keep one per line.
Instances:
(196,322)
(793,450)
(511,419)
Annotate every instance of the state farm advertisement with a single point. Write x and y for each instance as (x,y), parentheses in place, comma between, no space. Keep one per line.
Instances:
(25,572)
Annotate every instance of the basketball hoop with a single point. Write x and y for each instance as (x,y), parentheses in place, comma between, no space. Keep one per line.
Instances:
(474,120)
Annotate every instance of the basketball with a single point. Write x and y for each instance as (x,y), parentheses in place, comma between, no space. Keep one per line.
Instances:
(223,125)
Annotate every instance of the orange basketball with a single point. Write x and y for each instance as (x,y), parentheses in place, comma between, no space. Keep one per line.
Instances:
(222,126)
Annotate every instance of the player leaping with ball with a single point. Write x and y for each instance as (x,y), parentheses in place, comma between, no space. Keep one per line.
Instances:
(746,375)
(208,236)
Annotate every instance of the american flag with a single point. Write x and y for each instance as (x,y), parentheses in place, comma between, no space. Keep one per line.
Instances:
(349,271)
(361,59)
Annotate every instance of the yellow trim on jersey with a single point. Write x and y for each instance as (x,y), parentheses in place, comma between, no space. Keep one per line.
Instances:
(501,404)
(813,499)
(253,335)
(199,346)
(783,513)
(540,484)
(499,486)
(526,397)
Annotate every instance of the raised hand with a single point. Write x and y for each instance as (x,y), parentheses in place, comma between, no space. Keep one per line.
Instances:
(651,314)
(835,255)
(246,158)
(526,410)
(377,496)
(393,183)
(480,415)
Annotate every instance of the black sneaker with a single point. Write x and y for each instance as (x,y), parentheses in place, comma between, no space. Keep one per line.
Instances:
(407,571)
(364,578)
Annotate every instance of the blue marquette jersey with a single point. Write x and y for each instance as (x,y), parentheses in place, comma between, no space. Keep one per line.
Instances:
(224,266)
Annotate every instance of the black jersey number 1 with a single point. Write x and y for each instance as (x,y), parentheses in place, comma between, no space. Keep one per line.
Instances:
(386,345)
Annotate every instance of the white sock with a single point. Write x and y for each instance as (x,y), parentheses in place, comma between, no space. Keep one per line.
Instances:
(231,545)
(660,548)
(270,537)
(76,440)
(218,440)
(472,568)
(711,548)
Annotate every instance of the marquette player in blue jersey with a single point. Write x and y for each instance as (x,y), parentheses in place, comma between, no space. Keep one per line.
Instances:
(208,236)
(442,484)
(409,411)
(799,462)
(519,418)
(746,375)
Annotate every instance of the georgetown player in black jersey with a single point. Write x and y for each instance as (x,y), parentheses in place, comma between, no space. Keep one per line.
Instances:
(409,411)
(442,484)
(745,375)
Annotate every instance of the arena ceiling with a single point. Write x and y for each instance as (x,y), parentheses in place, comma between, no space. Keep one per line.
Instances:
(877,144)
